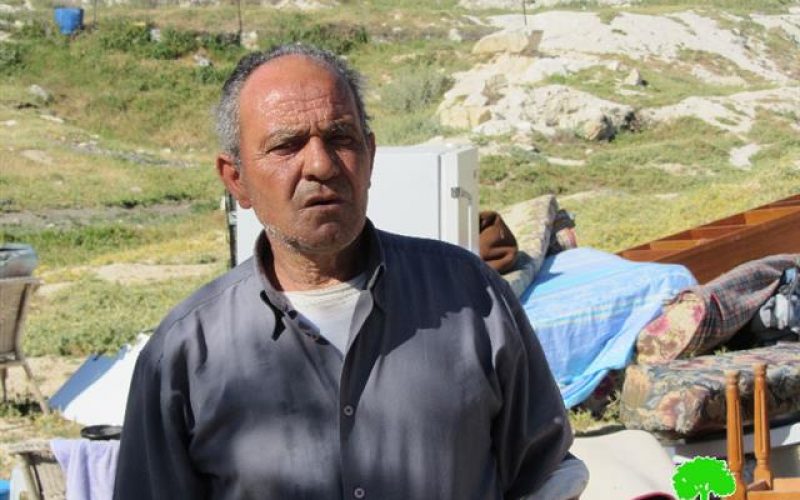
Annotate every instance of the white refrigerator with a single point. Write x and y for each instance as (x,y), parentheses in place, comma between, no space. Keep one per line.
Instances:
(430,191)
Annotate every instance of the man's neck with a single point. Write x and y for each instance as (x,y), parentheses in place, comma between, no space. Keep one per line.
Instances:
(294,270)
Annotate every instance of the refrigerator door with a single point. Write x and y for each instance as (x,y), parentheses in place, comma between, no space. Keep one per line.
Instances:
(405,192)
(459,207)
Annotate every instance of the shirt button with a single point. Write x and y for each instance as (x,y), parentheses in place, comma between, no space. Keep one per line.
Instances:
(348,412)
(359,492)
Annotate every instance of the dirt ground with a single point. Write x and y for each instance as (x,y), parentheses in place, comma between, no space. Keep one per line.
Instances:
(20,417)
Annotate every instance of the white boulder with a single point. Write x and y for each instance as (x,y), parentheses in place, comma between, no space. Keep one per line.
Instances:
(513,41)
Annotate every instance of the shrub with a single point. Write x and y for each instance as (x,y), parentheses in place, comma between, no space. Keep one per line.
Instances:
(174,44)
(415,88)
(340,38)
(407,128)
(124,35)
(211,75)
(219,42)
(35,29)
(10,56)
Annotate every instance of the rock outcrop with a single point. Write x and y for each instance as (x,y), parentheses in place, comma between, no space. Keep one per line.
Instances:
(548,110)
(735,113)
(514,41)
(517,88)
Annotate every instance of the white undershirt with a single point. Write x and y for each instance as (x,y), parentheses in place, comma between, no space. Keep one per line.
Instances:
(330,310)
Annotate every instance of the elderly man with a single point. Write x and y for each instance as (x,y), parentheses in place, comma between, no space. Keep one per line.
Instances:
(341,361)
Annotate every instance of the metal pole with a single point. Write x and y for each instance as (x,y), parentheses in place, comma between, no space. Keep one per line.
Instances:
(239,12)
(524,14)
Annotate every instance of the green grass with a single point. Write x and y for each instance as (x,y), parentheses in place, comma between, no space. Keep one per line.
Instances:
(184,239)
(667,83)
(635,163)
(782,50)
(112,78)
(96,183)
(618,220)
(655,7)
(93,315)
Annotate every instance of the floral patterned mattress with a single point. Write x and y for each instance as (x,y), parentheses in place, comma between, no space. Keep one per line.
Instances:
(686,397)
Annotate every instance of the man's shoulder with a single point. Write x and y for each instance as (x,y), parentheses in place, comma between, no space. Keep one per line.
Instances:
(400,245)
(440,260)
(186,331)
(212,294)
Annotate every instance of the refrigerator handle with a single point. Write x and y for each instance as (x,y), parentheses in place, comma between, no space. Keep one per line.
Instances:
(459,192)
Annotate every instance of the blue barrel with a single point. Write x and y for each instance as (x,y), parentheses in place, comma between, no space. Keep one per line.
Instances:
(69,19)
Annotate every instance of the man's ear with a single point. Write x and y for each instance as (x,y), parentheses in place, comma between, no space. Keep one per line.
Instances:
(230,174)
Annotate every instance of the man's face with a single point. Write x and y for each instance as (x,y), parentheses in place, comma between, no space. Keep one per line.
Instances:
(305,160)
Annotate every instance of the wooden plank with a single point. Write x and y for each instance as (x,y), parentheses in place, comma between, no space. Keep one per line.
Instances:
(646,255)
(733,220)
(673,244)
(700,233)
(717,256)
(714,248)
(767,214)
(709,233)
(786,484)
(772,495)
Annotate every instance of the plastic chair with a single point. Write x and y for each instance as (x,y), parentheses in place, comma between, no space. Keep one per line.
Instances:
(15,294)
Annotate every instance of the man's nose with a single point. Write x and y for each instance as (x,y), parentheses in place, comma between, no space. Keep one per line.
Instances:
(319,161)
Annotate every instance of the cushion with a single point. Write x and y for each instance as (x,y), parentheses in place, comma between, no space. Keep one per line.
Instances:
(531,221)
(669,335)
(704,317)
(686,397)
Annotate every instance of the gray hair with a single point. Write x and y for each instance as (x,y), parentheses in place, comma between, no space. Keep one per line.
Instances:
(227,111)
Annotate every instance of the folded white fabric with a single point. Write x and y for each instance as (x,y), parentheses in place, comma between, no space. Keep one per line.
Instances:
(89,467)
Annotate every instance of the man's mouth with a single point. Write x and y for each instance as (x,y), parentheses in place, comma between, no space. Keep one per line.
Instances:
(321,201)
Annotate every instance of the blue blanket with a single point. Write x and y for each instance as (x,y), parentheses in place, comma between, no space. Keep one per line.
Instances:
(588,306)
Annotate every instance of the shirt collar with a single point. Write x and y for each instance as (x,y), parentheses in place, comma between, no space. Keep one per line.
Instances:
(375,269)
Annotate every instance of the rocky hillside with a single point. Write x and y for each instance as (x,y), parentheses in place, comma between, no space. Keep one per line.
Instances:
(594,74)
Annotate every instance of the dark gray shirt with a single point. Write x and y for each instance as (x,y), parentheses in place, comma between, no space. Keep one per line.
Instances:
(443,393)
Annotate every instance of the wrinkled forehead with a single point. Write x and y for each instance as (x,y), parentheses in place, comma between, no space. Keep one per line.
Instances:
(294,81)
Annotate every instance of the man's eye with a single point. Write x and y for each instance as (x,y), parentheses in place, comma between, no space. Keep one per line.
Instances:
(286,148)
(341,140)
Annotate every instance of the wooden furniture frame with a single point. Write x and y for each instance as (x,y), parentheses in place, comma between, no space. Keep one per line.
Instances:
(43,477)
(714,248)
(764,485)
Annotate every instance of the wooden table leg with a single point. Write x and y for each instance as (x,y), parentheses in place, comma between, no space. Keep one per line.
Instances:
(761,430)
(734,431)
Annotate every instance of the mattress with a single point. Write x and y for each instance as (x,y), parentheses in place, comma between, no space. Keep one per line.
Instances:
(686,397)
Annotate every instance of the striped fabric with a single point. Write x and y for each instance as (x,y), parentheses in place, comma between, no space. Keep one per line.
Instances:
(704,317)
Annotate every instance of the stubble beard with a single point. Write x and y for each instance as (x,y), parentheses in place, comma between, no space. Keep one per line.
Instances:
(298,245)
